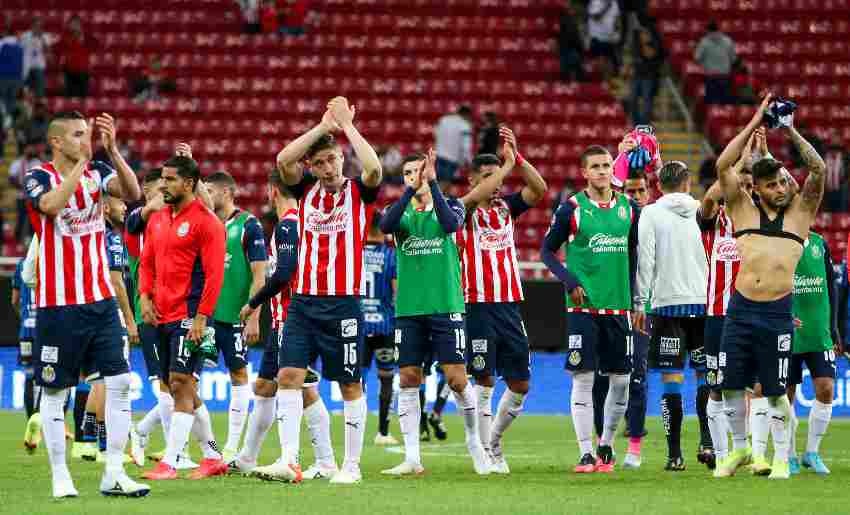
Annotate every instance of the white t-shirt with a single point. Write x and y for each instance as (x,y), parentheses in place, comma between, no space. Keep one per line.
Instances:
(34,49)
(453,139)
(604,28)
(19,168)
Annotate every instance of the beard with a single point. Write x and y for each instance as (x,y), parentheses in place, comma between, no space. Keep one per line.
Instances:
(172,199)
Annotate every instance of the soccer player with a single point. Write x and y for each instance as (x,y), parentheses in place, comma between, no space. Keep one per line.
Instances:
(816,340)
(378,316)
(277,290)
(244,275)
(757,335)
(429,305)
(324,317)
(599,228)
(672,265)
(492,289)
(180,276)
(23,302)
(74,291)
(435,418)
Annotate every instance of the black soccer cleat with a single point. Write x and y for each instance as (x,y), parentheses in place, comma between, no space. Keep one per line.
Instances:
(424,436)
(675,464)
(438,426)
(706,456)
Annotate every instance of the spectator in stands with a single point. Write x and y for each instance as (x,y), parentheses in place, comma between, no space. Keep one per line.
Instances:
(21,116)
(75,49)
(11,72)
(453,143)
(153,81)
(27,160)
(35,43)
(570,45)
(33,126)
(250,15)
(837,159)
(745,87)
(570,189)
(645,72)
(488,134)
(603,19)
(391,159)
(716,53)
(269,23)
(295,19)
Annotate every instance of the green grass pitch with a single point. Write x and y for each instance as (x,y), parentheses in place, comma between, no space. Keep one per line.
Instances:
(541,451)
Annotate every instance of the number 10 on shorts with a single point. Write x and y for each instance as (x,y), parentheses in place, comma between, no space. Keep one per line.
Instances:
(783,368)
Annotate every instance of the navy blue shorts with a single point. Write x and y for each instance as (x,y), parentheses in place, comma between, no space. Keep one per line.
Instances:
(640,357)
(498,344)
(601,343)
(270,363)
(673,339)
(820,364)
(428,338)
(228,340)
(71,339)
(380,347)
(326,327)
(174,355)
(756,344)
(711,349)
(148,338)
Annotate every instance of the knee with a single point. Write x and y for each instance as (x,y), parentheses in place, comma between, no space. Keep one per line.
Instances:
(180,385)
(309,396)
(240,376)
(410,377)
(583,381)
(264,388)
(824,392)
(485,380)
(520,387)
(120,382)
(350,391)
(456,378)
(290,378)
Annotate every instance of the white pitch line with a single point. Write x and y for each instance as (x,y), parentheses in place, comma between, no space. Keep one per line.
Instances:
(430,451)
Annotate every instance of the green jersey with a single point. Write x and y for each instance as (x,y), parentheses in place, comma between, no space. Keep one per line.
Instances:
(245,244)
(428,267)
(598,253)
(811,299)
(133,264)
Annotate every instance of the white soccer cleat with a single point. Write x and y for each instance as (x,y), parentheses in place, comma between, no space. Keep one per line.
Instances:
(239,466)
(64,488)
(479,460)
(385,439)
(632,461)
(279,471)
(184,462)
(405,469)
(138,442)
(229,455)
(498,465)
(120,485)
(347,475)
(321,471)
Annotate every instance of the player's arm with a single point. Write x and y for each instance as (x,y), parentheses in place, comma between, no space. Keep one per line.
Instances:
(841,307)
(287,263)
(28,270)
(211,252)
(288,158)
(485,189)
(343,114)
(833,298)
(52,201)
(645,261)
(450,213)
(391,221)
(812,190)
(535,186)
(729,180)
(16,293)
(127,186)
(255,252)
(147,273)
(558,234)
(710,204)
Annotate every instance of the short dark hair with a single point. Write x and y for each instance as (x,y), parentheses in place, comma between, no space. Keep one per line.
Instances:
(766,168)
(673,174)
(221,178)
(276,182)
(186,168)
(636,174)
(593,150)
(464,110)
(712,26)
(154,174)
(484,160)
(325,142)
(67,115)
(412,158)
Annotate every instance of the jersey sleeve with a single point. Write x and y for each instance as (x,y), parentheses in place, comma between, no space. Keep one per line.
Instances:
(369,195)
(114,251)
(392,270)
(135,223)
(36,184)
(286,237)
(106,172)
(516,204)
(254,241)
(558,234)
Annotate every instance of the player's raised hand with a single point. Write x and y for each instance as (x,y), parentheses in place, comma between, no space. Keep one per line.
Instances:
(105,124)
(761,141)
(429,170)
(509,155)
(85,143)
(508,135)
(342,113)
(765,102)
(183,149)
(329,123)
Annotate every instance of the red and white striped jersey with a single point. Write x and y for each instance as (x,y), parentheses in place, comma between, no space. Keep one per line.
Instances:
(488,258)
(73,267)
(279,304)
(723,263)
(331,230)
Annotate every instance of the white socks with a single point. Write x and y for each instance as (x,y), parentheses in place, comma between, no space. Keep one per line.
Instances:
(319,427)
(409,413)
(259,422)
(240,398)
(118,419)
(178,436)
(203,433)
(467,406)
(166,410)
(510,407)
(717,427)
(355,429)
(759,424)
(819,417)
(485,413)
(152,417)
(53,425)
(780,417)
(616,403)
(290,408)
(581,408)
(736,415)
